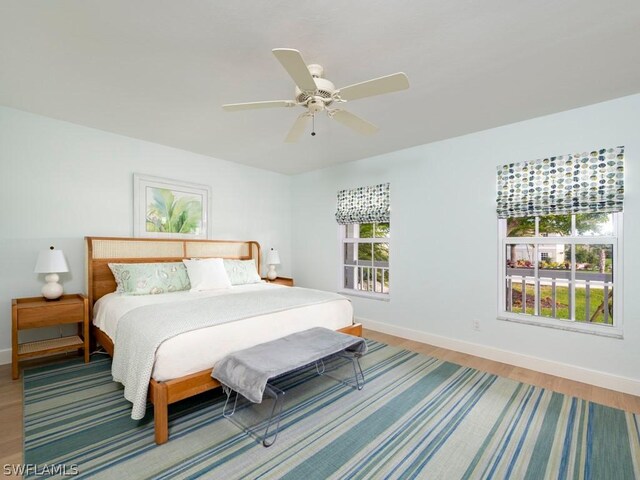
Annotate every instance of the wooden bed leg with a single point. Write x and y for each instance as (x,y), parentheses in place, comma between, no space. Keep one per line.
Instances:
(160,398)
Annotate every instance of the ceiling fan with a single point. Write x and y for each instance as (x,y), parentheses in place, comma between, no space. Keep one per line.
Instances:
(316,94)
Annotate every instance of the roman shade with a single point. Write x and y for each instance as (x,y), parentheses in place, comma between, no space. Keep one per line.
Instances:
(588,182)
(363,205)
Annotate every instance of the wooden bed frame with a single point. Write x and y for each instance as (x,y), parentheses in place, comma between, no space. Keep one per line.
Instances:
(104,250)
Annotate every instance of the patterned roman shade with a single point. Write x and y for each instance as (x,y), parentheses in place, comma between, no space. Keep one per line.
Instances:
(588,182)
(363,205)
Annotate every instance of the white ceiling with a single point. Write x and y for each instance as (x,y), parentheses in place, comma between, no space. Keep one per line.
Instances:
(159,70)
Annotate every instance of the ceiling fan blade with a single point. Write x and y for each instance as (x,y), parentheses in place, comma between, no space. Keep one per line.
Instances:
(234,107)
(298,128)
(293,63)
(354,122)
(377,86)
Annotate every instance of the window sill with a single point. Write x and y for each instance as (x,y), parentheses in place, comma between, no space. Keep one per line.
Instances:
(591,329)
(381,297)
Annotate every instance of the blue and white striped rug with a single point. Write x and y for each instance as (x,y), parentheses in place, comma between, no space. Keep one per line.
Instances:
(417,417)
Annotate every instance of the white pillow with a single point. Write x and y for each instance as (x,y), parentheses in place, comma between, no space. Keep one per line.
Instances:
(207,274)
(241,272)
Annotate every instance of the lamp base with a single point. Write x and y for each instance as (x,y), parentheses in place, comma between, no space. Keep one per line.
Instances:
(52,290)
(271,273)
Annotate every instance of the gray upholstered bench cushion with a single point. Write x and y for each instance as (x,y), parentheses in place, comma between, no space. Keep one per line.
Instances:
(247,371)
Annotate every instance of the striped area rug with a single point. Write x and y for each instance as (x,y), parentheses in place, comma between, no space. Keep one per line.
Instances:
(417,417)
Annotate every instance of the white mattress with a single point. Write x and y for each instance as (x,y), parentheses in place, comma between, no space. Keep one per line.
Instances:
(199,350)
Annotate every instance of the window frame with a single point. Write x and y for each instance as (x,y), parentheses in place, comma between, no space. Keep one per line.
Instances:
(616,240)
(342,240)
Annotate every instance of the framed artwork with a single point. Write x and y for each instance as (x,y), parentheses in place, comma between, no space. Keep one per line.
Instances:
(164,208)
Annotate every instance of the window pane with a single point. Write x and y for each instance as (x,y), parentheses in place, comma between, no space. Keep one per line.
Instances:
(554,225)
(381,254)
(555,299)
(593,296)
(554,273)
(366,230)
(382,230)
(518,300)
(594,258)
(519,256)
(365,279)
(365,253)
(594,283)
(350,277)
(350,254)
(519,270)
(594,224)
(351,230)
(379,280)
(554,257)
(521,227)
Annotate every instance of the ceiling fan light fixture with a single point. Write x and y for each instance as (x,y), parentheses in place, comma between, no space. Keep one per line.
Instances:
(316,105)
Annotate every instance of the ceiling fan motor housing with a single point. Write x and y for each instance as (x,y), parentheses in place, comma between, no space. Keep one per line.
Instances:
(324,89)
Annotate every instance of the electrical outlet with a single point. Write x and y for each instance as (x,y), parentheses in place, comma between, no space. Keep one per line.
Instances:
(476,324)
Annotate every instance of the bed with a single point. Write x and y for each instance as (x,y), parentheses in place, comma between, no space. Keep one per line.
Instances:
(197,351)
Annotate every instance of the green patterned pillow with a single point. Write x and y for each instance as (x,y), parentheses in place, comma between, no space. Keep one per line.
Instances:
(150,278)
(241,272)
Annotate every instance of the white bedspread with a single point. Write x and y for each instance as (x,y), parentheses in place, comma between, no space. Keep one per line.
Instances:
(199,350)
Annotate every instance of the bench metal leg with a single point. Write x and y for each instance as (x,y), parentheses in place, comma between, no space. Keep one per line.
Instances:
(229,392)
(358,374)
(273,422)
(276,415)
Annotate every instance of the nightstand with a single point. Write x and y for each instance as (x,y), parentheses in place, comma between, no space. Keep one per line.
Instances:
(37,312)
(281,281)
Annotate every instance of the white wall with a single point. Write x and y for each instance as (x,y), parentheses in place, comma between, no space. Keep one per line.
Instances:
(60,182)
(444,240)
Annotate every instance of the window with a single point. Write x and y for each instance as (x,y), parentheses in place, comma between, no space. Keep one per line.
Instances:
(364,249)
(363,216)
(560,257)
(563,270)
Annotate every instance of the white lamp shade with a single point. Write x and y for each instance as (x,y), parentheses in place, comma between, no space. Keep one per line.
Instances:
(51,261)
(273,257)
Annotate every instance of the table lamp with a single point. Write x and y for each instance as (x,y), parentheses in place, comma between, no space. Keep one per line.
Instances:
(51,262)
(273,259)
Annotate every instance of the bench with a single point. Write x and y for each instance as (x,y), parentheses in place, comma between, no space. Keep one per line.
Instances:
(248,372)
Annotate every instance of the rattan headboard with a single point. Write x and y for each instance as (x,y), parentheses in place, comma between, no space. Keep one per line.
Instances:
(104,250)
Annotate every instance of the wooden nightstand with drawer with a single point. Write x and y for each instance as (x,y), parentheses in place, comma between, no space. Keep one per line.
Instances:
(36,312)
(281,281)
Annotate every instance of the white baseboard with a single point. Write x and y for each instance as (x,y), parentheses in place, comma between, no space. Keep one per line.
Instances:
(572,372)
(5,356)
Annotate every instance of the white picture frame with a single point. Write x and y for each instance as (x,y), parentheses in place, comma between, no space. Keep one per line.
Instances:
(188,216)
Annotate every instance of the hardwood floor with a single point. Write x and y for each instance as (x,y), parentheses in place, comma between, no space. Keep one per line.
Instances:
(11,390)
